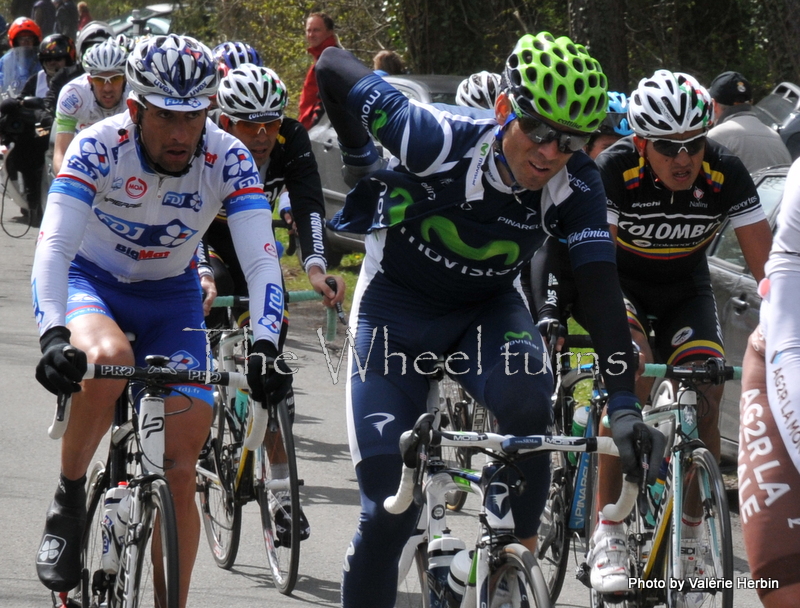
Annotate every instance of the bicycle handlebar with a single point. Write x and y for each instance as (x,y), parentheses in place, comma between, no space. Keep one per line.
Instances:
(712,370)
(510,444)
(152,373)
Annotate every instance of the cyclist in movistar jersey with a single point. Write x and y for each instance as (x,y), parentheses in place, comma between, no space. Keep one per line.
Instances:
(115,255)
(669,188)
(466,202)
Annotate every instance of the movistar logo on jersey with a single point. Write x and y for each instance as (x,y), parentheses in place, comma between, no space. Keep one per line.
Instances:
(448,233)
(510,335)
(380,120)
(397,212)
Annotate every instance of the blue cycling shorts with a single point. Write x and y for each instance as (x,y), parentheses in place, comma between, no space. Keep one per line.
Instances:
(166,316)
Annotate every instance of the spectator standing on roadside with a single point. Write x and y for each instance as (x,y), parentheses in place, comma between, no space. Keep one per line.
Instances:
(66,18)
(84,16)
(738,128)
(387,63)
(44,14)
(319,36)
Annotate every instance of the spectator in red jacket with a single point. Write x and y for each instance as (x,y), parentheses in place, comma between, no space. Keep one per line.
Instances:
(319,36)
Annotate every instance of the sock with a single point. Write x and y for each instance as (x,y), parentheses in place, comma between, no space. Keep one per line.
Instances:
(71,493)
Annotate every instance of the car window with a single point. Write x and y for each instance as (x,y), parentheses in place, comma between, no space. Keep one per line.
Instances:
(770,191)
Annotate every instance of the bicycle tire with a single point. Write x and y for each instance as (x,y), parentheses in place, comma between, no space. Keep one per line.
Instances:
(554,541)
(456,404)
(717,555)
(96,586)
(220,508)
(157,525)
(515,580)
(412,588)
(284,560)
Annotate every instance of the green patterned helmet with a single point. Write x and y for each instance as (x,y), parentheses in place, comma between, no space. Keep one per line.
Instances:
(558,80)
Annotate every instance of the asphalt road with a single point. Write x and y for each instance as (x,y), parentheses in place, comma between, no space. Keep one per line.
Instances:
(29,467)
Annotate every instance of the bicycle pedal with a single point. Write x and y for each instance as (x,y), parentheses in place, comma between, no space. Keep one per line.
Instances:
(301,482)
(582,573)
(60,600)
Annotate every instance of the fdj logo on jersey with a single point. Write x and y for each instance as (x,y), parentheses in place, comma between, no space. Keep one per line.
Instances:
(183,200)
(92,159)
(273,308)
(173,234)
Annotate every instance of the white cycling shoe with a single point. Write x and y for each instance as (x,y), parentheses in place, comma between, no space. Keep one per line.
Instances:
(608,559)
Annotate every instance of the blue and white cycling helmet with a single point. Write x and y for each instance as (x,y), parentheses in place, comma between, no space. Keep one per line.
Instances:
(616,120)
(108,57)
(230,55)
(172,72)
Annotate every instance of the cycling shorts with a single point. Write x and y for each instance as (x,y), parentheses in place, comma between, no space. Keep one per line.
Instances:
(683,317)
(166,316)
(768,481)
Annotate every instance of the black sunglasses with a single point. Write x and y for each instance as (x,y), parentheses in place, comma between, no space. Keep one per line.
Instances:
(541,133)
(671,148)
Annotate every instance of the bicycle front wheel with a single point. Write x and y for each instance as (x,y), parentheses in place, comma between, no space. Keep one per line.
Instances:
(456,404)
(706,550)
(96,586)
(154,571)
(515,580)
(554,540)
(412,588)
(278,495)
(222,512)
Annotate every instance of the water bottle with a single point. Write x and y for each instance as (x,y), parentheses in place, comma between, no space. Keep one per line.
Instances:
(151,433)
(458,579)
(440,554)
(112,529)
(579,420)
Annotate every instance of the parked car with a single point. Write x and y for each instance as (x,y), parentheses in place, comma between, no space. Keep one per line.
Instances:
(325,144)
(154,19)
(737,299)
(781,111)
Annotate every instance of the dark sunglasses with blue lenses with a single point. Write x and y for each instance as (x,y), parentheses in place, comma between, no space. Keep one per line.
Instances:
(541,133)
(671,147)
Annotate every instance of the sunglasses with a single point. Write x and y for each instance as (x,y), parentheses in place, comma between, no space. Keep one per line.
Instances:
(541,133)
(254,128)
(671,148)
(100,81)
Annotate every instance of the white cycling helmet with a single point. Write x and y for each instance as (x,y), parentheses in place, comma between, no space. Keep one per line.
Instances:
(253,93)
(479,90)
(668,103)
(92,33)
(172,72)
(108,56)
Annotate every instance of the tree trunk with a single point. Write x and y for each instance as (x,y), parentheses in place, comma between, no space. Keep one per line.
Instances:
(600,26)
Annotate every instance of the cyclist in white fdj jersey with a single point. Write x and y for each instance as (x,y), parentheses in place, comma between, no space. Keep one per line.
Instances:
(116,254)
(91,97)
(669,188)
(469,198)
(769,441)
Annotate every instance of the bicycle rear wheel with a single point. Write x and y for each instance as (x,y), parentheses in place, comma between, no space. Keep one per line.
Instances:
(155,569)
(221,511)
(712,545)
(279,501)
(515,580)
(412,588)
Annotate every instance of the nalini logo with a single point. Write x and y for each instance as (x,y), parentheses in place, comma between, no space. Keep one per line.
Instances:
(698,193)
(135,187)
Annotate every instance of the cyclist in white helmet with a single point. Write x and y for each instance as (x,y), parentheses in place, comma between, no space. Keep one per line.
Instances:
(669,188)
(97,94)
(479,90)
(124,217)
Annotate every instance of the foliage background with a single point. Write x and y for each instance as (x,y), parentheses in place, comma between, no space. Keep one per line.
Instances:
(631,39)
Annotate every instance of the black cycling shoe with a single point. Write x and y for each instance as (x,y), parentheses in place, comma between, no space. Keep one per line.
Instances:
(282,516)
(58,559)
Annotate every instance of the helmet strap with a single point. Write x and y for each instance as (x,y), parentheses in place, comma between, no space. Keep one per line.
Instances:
(499,132)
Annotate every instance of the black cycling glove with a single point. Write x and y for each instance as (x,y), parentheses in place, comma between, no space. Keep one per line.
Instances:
(263,377)
(629,433)
(62,366)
